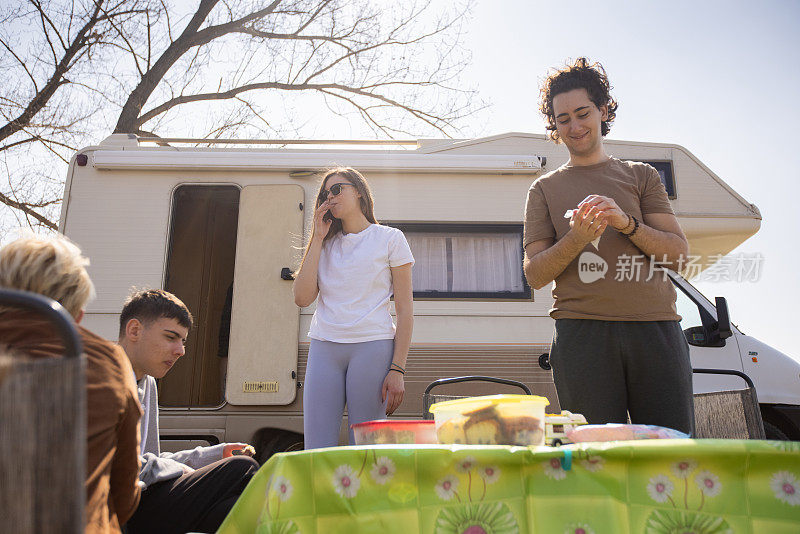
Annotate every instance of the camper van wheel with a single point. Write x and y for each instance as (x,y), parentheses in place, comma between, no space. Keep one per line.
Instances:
(278,442)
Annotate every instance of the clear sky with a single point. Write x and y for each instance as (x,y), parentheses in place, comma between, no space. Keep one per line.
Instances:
(718,78)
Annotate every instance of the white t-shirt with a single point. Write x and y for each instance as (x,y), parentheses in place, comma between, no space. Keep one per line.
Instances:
(355,285)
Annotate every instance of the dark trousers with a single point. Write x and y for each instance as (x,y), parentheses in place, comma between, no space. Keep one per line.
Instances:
(606,370)
(195,502)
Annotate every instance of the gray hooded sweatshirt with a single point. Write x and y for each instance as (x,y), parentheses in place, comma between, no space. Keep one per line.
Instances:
(158,466)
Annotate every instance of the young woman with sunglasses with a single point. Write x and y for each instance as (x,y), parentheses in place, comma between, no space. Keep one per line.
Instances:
(352,265)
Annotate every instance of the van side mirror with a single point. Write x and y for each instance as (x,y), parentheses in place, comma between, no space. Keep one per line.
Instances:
(723,319)
(696,336)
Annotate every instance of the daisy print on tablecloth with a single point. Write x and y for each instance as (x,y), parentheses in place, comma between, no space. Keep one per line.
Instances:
(786,487)
(682,521)
(477,518)
(578,528)
(708,483)
(466,465)
(660,488)
(345,481)
(282,488)
(446,488)
(489,473)
(593,463)
(553,469)
(383,470)
(683,468)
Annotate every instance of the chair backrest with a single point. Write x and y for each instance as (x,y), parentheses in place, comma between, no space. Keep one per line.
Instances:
(43,438)
(727,414)
(429,399)
(733,414)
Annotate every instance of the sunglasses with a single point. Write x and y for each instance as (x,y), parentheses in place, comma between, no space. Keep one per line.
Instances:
(333,191)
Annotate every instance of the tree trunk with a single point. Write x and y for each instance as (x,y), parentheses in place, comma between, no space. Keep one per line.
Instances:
(128,117)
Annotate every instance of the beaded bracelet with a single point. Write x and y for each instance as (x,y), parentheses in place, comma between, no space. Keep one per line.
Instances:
(635,226)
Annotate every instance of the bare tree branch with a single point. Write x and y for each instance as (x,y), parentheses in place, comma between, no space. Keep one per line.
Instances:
(327,88)
(28,211)
(190,37)
(142,66)
(56,79)
(22,63)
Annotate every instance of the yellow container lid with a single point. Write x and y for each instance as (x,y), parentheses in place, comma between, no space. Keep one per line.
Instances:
(477,403)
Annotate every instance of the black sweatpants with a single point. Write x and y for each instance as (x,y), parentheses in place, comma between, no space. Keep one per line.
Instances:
(195,502)
(607,369)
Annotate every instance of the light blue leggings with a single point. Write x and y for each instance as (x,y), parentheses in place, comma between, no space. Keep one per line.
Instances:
(339,374)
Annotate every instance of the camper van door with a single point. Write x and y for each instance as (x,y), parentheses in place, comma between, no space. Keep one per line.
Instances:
(262,362)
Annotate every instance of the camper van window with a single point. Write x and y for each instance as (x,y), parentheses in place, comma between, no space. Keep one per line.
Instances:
(467,261)
(664,169)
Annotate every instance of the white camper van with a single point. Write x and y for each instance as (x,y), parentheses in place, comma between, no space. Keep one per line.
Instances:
(223,228)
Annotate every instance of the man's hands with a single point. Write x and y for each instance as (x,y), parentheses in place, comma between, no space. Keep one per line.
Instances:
(594,214)
(237,449)
(606,206)
(393,389)
(587,223)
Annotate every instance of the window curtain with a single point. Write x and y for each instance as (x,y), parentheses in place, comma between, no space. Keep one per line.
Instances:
(487,263)
(430,261)
(466,263)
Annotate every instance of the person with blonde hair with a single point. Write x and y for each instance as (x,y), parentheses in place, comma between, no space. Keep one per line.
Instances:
(352,267)
(55,268)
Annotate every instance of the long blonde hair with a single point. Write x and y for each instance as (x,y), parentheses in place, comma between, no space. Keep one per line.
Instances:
(53,267)
(366,202)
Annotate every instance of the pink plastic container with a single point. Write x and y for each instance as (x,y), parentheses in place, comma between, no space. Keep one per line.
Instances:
(395,431)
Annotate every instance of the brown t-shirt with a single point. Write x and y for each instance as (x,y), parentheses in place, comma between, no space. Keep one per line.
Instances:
(616,281)
(112,414)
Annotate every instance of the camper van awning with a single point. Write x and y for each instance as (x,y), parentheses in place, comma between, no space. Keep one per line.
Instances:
(314,161)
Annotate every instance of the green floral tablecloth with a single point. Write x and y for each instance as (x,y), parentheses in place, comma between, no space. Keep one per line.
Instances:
(655,486)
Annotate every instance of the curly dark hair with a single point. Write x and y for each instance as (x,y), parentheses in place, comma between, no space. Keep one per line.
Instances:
(579,75)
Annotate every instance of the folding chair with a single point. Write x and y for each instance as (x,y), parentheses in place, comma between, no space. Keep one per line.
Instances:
(43,430)
(733,414)
(428,399)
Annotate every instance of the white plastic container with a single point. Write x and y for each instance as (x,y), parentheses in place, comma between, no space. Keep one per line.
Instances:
(491,420)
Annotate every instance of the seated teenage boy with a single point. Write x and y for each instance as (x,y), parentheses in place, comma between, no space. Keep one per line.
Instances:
(190,490)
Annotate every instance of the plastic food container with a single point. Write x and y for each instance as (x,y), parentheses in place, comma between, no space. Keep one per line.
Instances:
(491,420)
(394,431)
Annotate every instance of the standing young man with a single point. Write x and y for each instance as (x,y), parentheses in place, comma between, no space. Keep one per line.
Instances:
(618,347)
(189,490)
